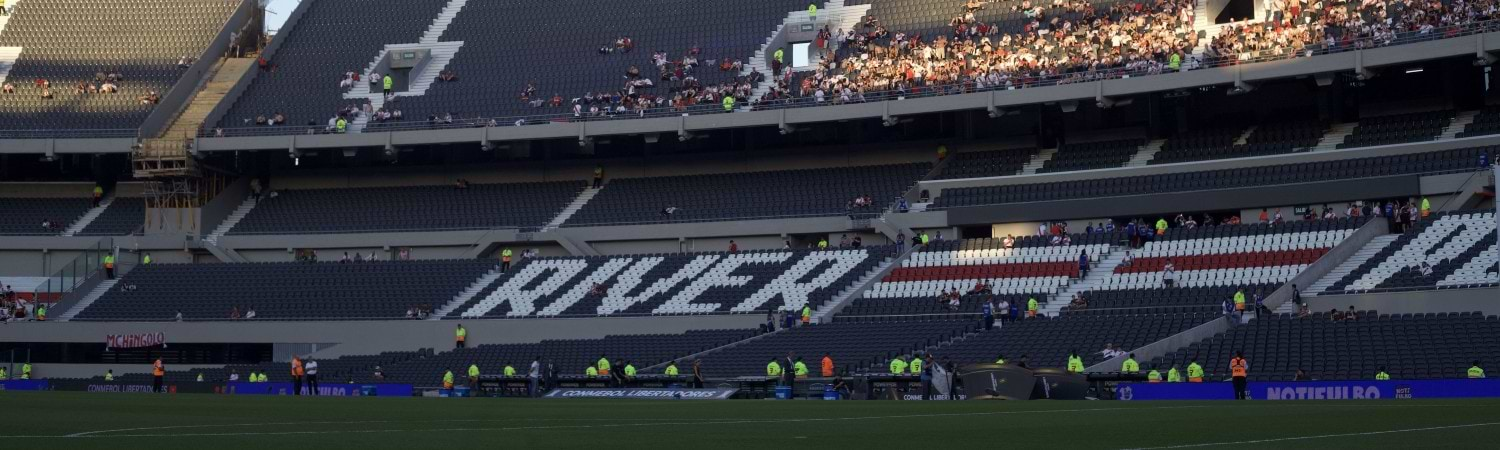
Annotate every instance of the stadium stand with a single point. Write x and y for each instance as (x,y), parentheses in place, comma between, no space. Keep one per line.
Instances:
(788,193)
(570,356)
(1422,163)
(1269,139)
(1409,346)
(990,163)
(1450,249)
(409,208)
(1485,123)
(1398,129)
(123,216)
(24,216)
(331,38)
(853,345)
(1093,155)
(491,83)
(62,52)
(1046,342)
(673,283)
(284,291)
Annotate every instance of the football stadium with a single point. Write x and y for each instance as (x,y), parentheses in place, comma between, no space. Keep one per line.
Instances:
(825,223)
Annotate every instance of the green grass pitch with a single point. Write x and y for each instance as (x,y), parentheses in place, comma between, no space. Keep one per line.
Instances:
(38,420)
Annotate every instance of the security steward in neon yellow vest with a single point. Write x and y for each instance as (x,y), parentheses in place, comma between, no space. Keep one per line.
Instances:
(1195,372)
(1382,376)
(26,371)
(728,103)
(509,371)
(915,365)
(898,366)
(1000,359)
(671,369)
(1173,375)
(1153,376)
(1130,366)
(591,372)
(1075,363)
(1476,371)
(773,369)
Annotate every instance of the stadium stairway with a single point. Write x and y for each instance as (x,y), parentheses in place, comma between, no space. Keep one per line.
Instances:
(229,222)
(1039,161)
(441,53)
(98,291)
(88,217)
(834,13)
(1146,153)
(1344,269)
(467,294)
(825,313)
(1460,121)
(1335,136)
(578,203)
(1104,269)
(223,78)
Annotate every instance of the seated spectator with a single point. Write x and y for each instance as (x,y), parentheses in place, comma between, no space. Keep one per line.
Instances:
(1335,315)
(8,88)
(46,93)
(249,313)
(1128,259)
(669,211)
(447,76)
(599,290)
(1303,311)
(1351,315)
(278,119)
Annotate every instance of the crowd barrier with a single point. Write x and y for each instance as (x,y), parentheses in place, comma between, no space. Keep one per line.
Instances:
(331,389)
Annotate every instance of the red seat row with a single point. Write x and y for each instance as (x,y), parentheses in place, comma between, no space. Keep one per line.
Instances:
(1029,270)
(1225,261)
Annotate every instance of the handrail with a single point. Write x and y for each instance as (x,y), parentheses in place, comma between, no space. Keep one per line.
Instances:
(1195,63)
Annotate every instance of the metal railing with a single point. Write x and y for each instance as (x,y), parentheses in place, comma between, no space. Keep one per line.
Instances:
(76,272)
(1076,76)
(71,134)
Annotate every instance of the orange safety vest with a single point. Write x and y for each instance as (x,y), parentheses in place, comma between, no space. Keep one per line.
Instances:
(157,370)
(827,367)
(1237,367)
(1195,380)
(296,367)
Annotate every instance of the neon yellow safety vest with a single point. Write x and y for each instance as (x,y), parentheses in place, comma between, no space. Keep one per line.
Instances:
(1195,371)
(200,378)
(1000,361)
(146,259)
(448,378)
(1382,376)
(591,371)
(799,369)
(108,376)
(603,364)
(1425,204)
(1153,376)
(510,371)
(671,370)
(806,312)
(26,371)
(473,370)
(388,82)
(629,370)
(3,375)
(925,239)
(778,55)
(1031,305)
(461,333)
(773,369)
(1239,299)
(1173,376)
(915,365)
(1130,366)
(898,366)
(341,125)
(1476,372)
(729,103)
(1075,364)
